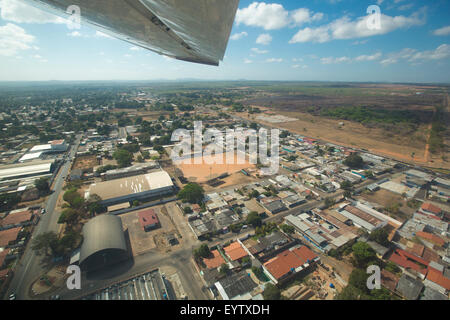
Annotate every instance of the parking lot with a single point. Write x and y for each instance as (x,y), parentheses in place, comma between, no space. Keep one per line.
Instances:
(148,286)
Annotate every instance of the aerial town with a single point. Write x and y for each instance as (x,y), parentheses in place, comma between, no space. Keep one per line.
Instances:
(90,182)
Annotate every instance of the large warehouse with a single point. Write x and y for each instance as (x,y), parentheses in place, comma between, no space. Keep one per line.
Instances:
(142,187)
(103,244)
(23,170)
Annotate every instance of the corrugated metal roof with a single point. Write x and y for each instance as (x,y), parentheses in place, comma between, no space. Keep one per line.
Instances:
(101,233)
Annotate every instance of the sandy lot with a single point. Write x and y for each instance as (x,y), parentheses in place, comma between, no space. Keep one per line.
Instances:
(142,241)
(85,162)
(204,171)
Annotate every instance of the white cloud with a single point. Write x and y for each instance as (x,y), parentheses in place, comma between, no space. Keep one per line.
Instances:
(238,36)
(304,15)
(259,51)
(445,31)
(20,12)
(274,60)
(332,60)
(248,61)
(299,66)
(372,57)
(272,16)
(74,34)
(415,56)
(260,14)
(264,39)
(441,52)
(344,28)
(14,39)
(134,48)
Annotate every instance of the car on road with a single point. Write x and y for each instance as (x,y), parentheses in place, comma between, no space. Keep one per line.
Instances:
(12,296)
(43,211)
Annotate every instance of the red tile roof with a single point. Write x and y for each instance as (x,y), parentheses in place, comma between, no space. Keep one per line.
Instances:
(16,217)
(431,238)
(408,260)
(235,251)
(6,236)
(305,254)
(216,261)
(284,262)
(437,277)
(431,208)
(148,217)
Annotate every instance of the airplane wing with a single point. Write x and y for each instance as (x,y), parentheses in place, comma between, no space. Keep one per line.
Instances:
(190,30)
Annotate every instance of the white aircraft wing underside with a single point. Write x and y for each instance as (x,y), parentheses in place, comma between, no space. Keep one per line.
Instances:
(189,30)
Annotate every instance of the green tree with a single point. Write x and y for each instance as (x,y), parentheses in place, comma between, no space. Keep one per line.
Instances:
(42,186)
(44,242)
(202,252)
(354,161)
(287,228)
(271,292)
(224,269)
(380,236)
(192,193)
(363,254)
(123,157)
(254,219)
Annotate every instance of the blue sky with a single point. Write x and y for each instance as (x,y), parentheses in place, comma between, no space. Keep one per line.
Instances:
(319,40)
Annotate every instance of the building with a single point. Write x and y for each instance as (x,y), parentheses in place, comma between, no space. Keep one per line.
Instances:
(429,208)
(104,243)
(235,251)
(38,151)
(236,287)
(409,287)
(25,170)
(289,263)
(137,169)
(362,218)
(148,220)
(215,261)
(143,187)
(16,218)
(9,237)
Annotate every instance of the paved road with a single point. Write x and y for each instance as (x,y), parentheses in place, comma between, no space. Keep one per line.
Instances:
(29,268)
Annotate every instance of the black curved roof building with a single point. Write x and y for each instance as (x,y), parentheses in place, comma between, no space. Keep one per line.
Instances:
(103,243)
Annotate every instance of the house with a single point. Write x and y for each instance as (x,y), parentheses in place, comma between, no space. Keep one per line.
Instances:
(235,251)
(289,262)
(148,220)
(236,287)
(9,237)
(429,208)
(215,261)
(436,278)
(409,287)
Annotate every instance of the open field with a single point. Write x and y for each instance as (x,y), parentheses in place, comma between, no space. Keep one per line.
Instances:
(390,120)
(204,171)
(85,162)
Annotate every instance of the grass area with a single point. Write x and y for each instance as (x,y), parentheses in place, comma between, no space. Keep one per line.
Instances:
(371,115)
